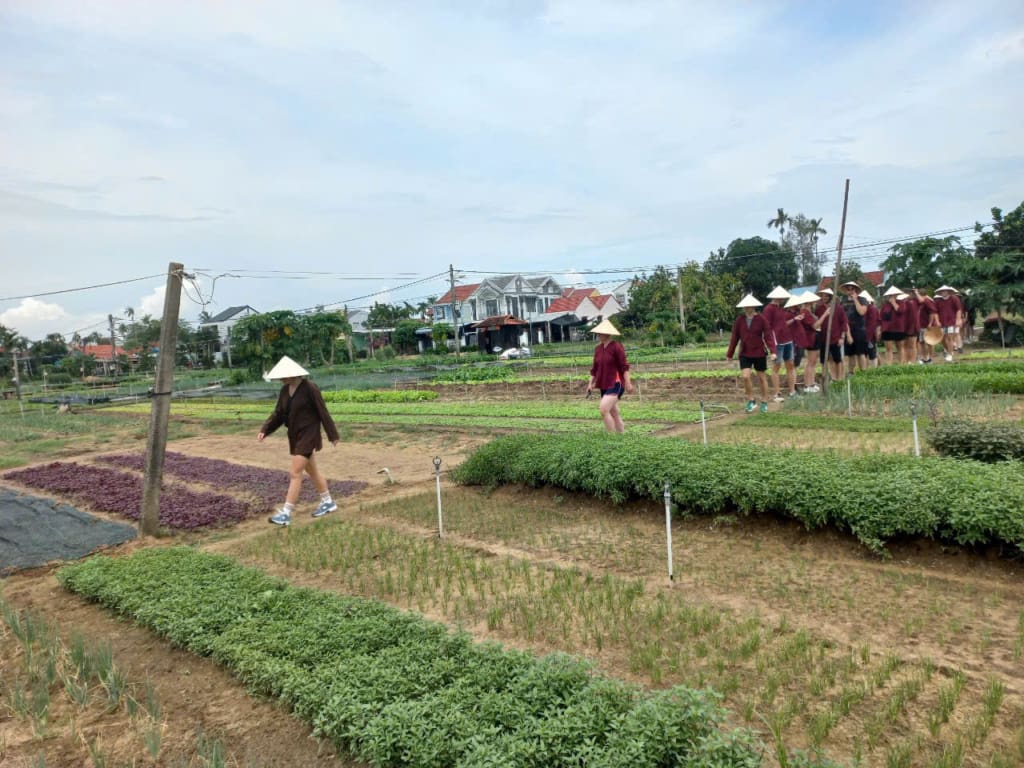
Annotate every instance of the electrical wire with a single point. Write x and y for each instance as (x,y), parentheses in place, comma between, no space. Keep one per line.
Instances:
(82,288)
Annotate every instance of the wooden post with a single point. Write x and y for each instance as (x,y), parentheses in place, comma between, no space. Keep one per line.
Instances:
(156,443)
(455,309)
(682,307)
(835,293)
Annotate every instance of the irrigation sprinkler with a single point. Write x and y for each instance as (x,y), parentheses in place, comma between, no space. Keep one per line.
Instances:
(849,399)
(913,421)
(440,519)
(703,424)
(668,528)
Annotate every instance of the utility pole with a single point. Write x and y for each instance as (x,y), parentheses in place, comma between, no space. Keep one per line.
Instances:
(835,288)
(113,345)
(156,443)
(455,319)
(679,290)
(17,376)
(348,338)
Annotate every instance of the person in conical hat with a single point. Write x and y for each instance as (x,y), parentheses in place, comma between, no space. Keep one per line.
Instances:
(927,317)
(609,374)
(300,407)
(780,320)
(873,328)
(949,311)
(856,308)
(805,333)
(755,339)
(891,315)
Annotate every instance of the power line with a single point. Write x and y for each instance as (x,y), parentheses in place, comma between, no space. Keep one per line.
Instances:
(82,288)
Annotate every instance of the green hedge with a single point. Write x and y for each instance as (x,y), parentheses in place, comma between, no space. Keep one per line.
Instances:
(394,689)
(379,395)
(977,440)
(876,498)
(941,380)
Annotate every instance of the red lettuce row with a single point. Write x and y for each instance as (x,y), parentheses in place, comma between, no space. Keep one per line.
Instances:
(268,486)
(120,493)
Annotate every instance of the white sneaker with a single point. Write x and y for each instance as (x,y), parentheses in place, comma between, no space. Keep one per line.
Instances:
(324,508)
(812,388)
(281,518)
(778,399)
(949,358)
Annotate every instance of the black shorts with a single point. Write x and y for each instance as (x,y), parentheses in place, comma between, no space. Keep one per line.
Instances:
(859,346)
(757,363)
(872,351)
(893,336)
(614,390)
(834,352)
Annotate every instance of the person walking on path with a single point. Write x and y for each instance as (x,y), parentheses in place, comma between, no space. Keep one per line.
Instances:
(891,313)
(856,318)
(927,317)
(831,349)
(301,408)
(873,328)
(755,340)
(950,318)
(779,320)
(609,374)
(802,327)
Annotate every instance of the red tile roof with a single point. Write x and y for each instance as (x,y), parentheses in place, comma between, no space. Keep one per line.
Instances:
(462,292)
(497,321)
(571,298)
(100,351)
(875,277)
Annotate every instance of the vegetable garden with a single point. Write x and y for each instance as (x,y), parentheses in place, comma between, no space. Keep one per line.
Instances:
(836,602)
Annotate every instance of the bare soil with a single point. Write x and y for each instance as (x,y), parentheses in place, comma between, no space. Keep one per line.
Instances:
(725,563)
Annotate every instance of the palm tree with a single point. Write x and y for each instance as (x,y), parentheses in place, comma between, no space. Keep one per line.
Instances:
(779,222)
(812,229)
(129,313)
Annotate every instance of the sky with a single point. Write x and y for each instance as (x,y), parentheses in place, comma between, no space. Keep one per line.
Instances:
(309,153)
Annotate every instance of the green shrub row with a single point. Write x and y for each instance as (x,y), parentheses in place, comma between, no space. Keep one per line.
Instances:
(983,441)
(877,498)
(394,689)
(469,375)
(943,380)
(379,395)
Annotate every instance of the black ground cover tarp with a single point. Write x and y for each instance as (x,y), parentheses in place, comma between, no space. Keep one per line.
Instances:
(34,531)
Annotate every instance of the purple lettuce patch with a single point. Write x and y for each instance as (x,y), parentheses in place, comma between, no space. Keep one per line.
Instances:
(120,493)
(267,486)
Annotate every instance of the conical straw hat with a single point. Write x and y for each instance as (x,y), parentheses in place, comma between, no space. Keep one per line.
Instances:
(893,291)
(933,335)
(778,292)
(827,291)
(866,296)
(795,300)
(606,327)
(748,301)
(286,368)
(949,288)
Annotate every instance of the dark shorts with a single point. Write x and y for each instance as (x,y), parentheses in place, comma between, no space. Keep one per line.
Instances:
(859,346)
(893,336)
(834,351)
(872,351)
(785,352)
(798,357)
(757,363)
(616,390)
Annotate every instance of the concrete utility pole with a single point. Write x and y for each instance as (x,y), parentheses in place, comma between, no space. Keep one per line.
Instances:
(156,443)
(113,345)
(17,376)
(455,319)
(679,290)
(835,288)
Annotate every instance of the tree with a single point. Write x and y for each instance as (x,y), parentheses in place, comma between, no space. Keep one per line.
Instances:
(404,338)
(802,240)
(441,332)
(387,316)
(261,339)
(926,263)
(779,222)
(710,300)
(650,297)
(996,273)
(322,331)
(759,263)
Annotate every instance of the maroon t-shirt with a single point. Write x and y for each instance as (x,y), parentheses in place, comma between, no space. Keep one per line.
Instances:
(871,322)
(910,320)
(947,311)
(752,337)
(892,317)
(609,365)
(925,309)
(778,318)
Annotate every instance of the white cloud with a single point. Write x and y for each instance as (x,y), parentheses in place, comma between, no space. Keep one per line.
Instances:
(33,318)
(153,303)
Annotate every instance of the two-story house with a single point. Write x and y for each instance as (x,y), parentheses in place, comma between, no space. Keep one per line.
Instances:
(223,321)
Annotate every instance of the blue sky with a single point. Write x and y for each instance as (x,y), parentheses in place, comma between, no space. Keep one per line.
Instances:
(379,142)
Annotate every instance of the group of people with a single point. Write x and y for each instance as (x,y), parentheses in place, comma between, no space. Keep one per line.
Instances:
(795,328)
(790,330)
